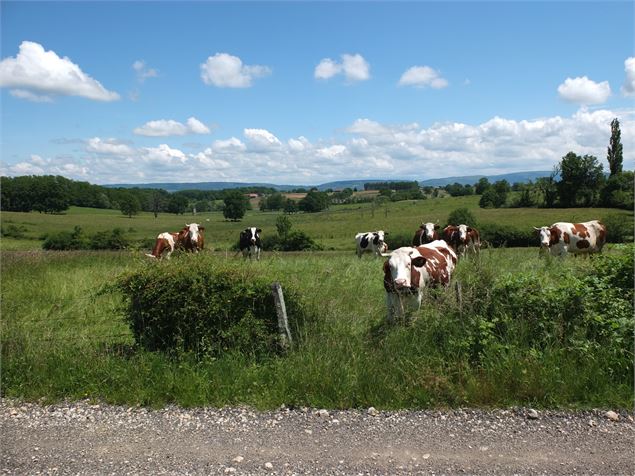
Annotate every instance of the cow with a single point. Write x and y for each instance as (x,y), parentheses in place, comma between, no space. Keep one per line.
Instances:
(250,243)
(576,238)
(462,239)
(426,233)
(192,237)
(411,269)
(164,242)
(372,241)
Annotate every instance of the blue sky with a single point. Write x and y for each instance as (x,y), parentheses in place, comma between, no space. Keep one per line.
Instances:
(304,93)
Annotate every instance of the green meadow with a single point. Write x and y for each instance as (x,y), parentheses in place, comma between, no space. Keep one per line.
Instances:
(514,329)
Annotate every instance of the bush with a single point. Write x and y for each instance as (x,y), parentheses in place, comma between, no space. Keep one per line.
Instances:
(201,306)
(619,229)
(294,240)
(13,231)
(113,240)
(65,240)
(498,235)
(461,216)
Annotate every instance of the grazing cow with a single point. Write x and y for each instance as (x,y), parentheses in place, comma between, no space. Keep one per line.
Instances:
(250,244)
(426,233)
(462,238)
(410,269)
(165,242)
(192,237)
(372,241)
(577,238)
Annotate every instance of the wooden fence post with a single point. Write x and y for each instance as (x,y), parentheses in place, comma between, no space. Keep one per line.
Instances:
(281,310)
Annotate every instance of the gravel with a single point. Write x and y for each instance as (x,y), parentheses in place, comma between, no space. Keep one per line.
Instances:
(88,438)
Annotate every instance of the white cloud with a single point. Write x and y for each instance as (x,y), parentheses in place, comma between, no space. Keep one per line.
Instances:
(584,91)
(421,77)
(628,88)
(45,73)
(164,128)
(226,71)
(353,67)
(369,149)
(108,147)
(30,96)
(261,138)
(143,72)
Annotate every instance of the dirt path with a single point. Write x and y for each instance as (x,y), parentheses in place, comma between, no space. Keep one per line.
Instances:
(81,438)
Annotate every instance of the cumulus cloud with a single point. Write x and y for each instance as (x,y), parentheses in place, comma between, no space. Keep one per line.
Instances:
(368,149)
(584,91)
(143,72)
(421,77)
(628,88)
(226,71)
(43,74)
(169,127)
(353,67)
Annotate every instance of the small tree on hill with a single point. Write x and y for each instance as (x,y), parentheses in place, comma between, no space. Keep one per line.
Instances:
(461,216)
(129,205)
(236,205)
(614,155)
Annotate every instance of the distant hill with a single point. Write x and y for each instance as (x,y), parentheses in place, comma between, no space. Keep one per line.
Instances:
(337,185)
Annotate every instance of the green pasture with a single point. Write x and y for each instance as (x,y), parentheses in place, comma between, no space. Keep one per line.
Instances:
(334,229)
(64,336)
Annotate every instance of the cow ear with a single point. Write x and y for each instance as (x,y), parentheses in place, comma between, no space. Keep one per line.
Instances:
(418,262)
(469,228)
(436,226)
(258,230)
(201,228)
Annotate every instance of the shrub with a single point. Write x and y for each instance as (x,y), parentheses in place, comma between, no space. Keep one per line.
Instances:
(13,231)
(618,228)
(113,240)
(461,216)
(498,235)
(65,240)
(206,307)
(294,240)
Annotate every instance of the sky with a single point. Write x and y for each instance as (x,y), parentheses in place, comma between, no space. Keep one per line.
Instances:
(310,92)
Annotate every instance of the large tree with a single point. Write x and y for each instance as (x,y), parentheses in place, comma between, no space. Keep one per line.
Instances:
(580,180)
(614,155)
(236,204)
(129,205)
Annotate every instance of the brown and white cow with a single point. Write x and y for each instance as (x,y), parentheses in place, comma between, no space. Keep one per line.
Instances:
(192,237)
(462,238)
(426,233)
(411,269)
(372,241)
(577,238)
(165,242)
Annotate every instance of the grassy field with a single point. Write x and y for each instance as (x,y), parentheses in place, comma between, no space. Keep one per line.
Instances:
(63,338)
(503,340)
(334,229)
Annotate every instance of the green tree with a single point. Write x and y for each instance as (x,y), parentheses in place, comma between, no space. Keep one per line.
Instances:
(178,204)
(548,188)
(314,201)
(482,185)
(614,155)
(283,225)
(580,180)
(291,206)
(618,191)
(461,216)
(275,201)
(129,205)
(236,205)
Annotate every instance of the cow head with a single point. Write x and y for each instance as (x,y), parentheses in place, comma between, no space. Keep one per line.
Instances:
(378,238)
(193,230)
(402,270)
(463,231)
(252,234)
(429,229)
(548,235)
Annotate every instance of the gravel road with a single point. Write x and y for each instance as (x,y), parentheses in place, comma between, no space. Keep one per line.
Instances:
(84,438)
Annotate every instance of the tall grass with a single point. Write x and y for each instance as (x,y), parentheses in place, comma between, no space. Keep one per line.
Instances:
(61,338)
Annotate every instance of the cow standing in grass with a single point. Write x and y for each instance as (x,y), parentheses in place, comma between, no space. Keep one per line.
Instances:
(576,238)
(192,237)
(165,243)
(372,241)
(427,233)
(462,239)
(411,269)
(250,243)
